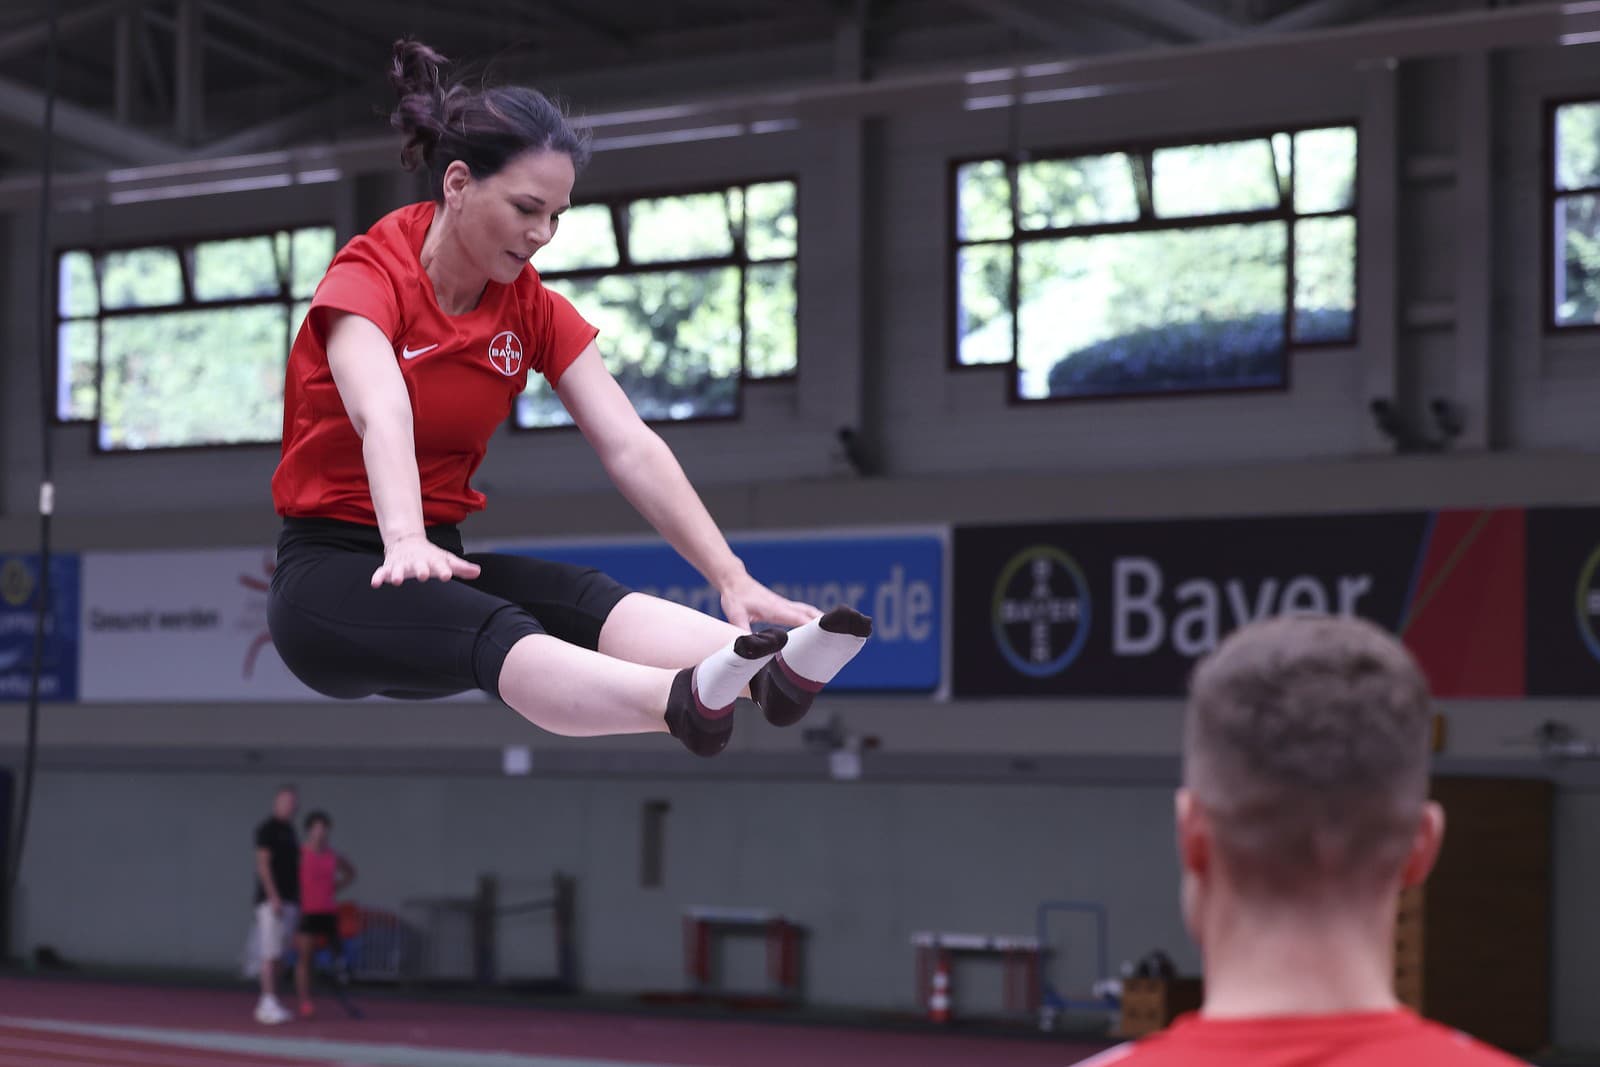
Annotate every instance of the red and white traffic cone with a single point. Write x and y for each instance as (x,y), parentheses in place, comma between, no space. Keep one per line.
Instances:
(939,997)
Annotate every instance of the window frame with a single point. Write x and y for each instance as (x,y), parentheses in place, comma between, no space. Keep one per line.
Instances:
(1550,201)
(1142,149)
(97,250)
(618,202)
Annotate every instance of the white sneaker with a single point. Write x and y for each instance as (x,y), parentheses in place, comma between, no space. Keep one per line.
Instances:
(270,1013)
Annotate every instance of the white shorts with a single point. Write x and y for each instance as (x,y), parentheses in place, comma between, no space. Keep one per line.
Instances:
(275,933)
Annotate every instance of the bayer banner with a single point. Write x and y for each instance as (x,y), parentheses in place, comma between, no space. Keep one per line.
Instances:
(896,577)
(1563,601)
(20,587)
(1125,608)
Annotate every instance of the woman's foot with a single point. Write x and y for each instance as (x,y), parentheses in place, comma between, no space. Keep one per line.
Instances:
(700,706)
(814,654)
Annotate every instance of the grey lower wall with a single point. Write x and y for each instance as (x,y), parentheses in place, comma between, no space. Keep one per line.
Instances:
(154,869)
(1575,981)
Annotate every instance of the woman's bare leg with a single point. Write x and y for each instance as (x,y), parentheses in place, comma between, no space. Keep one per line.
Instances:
(659,633)
(647,629)
(303,948)
(570,690)
(573,691)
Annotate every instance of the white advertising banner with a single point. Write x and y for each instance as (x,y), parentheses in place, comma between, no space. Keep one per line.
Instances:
(181,626)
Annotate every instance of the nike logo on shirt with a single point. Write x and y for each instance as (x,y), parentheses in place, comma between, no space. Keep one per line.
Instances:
(408,352)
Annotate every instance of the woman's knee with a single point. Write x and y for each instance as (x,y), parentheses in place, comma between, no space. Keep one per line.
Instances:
(499,634)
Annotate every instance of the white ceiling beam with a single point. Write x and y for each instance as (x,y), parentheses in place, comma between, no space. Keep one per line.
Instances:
(1166,19)
(944,91)
(189,65)
(124,72)
(324,117)
(572,16)
(430,21)
(1319,13)
(1186,21)
(291,43)
(87,129)
(155,75)
(1024,19)
(228,49)
(15,42)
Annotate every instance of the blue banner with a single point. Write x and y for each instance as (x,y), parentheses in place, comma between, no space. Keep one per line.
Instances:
(898,579)
(19,599)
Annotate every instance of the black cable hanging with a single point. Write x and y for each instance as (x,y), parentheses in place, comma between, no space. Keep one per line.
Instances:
(46,453)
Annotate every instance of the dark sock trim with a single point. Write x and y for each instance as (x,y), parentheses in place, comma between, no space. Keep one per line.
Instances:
(705,709)
(700,734)
(800,681)
(781,701)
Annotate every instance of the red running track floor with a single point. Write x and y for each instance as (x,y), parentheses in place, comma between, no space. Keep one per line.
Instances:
(436,1029)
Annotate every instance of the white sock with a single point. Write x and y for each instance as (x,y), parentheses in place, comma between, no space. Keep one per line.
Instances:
(817,654)
(721,676)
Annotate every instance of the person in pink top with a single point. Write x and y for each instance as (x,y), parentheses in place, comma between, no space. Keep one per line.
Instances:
(324,873)
(1303,813)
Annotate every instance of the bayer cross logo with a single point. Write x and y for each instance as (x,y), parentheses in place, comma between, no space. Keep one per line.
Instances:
(1588,604)
(1041,611)
(505,353)
(16,582)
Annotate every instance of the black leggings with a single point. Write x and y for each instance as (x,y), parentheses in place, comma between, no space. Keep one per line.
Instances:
(418,640)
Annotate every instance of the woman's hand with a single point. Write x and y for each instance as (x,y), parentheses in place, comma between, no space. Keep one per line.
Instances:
(414,556)
(745,600)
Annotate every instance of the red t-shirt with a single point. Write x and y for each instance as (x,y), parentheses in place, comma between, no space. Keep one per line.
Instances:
(463,373)
(1376,1039)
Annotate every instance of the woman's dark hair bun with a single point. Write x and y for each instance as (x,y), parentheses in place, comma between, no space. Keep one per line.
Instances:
(419,115)
(484,126)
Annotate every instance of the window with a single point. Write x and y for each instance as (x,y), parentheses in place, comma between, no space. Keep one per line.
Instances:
(1171,268)
(183,345)
(1575,215)
(693,294)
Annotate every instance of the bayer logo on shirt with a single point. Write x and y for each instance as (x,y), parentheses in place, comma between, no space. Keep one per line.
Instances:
(505,353)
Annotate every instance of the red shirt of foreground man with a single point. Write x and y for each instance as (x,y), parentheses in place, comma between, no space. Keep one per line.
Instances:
(1302,817)
(1375,1039)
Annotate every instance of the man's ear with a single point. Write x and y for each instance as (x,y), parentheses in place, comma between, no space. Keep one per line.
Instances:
(1425,844)
(1194,834)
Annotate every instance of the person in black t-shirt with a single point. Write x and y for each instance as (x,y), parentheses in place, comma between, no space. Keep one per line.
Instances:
(277,898)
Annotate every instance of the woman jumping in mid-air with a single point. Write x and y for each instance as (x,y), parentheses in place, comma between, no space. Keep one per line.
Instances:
(418,342)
